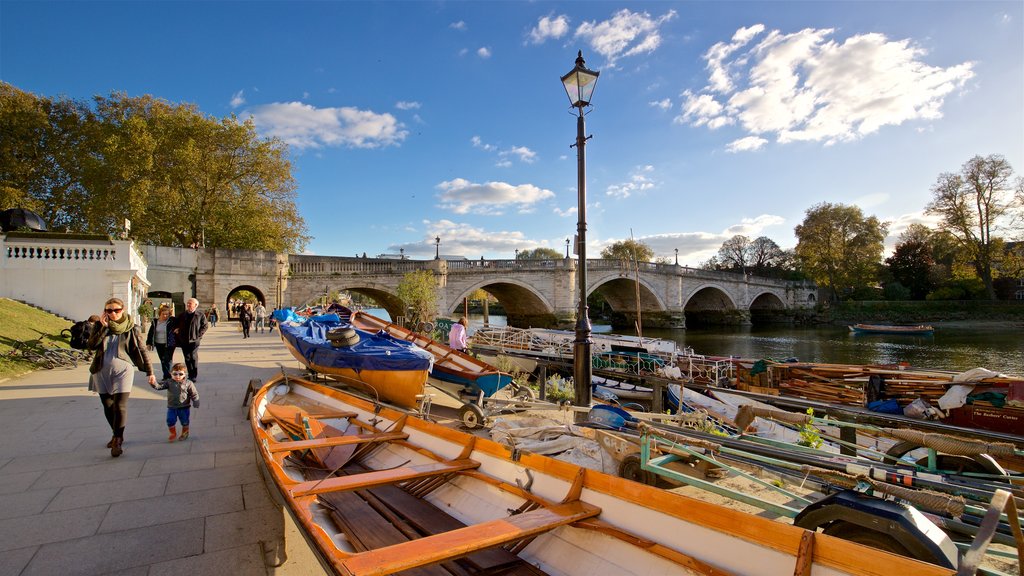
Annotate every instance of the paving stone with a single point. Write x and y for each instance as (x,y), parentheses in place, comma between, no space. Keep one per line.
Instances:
(49,527)
(225,444)
(105,553)
(114,469)
(12,483)
(212,478)
(71,459)
(235,458)
(246,527)
(164,509)
(12,562)
(257,496)
(25,503)
(84,495)
(238,561)
(180,463)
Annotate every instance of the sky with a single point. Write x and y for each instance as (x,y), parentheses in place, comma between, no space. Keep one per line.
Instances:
(410,121)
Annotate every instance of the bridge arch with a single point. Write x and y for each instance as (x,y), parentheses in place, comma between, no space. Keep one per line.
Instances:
(709,304)
(620,293)
(260,297)
(382,295)
(524,305)
(767,307)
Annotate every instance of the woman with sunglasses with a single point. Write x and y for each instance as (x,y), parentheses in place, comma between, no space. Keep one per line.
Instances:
(119,351)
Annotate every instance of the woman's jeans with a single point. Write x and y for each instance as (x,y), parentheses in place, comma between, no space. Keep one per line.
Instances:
(166,354)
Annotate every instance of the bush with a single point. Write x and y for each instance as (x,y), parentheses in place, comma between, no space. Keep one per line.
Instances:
(959,289)
(896,291)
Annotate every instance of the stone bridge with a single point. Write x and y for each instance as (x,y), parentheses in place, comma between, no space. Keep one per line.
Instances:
(532,292)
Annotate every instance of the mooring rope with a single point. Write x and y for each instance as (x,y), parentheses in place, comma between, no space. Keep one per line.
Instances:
(952,444)
(926,499)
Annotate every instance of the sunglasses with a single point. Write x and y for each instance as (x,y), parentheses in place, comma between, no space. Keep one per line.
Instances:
(112,310)
(177,373)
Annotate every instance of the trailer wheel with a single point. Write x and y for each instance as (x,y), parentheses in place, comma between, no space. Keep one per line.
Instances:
(868,537)
(525,393)
(472,416)
(630,469)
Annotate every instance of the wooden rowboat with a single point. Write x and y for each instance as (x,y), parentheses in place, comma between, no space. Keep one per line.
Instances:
(376,491)
(921,330)
(387,368)
(449,365)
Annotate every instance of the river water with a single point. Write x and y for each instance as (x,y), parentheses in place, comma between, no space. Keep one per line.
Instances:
(950,348)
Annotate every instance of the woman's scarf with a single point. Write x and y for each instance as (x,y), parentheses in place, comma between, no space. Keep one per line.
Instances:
(120,326)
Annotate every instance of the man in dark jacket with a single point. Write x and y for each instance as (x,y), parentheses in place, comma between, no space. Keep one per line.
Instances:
(189,327)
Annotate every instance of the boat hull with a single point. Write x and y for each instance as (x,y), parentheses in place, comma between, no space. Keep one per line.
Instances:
(639,530)
(892,330)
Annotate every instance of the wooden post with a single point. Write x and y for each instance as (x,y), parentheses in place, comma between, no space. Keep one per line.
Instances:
(542,377)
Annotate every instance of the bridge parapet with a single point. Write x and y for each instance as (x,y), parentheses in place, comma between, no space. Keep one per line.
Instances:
(477,266)
(303,265)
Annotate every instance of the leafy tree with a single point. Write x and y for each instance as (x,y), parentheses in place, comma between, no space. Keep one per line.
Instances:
(765,255)
(418,290)
(839,248)
(910,265)
(735,253)
(629,250)
(181,177)
(971,205)
(540,253)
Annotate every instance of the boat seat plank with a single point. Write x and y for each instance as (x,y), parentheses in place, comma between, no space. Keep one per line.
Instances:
(449,545)
(428,520)
(330,441)
(365,529)
(382,477)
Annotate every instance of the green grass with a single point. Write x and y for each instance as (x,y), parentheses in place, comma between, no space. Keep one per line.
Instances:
(21,322)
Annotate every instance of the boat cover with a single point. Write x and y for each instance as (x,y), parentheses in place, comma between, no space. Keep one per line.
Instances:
(379,351)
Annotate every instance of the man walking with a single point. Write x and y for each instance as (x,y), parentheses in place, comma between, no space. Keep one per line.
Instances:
(189,328)
(261,316)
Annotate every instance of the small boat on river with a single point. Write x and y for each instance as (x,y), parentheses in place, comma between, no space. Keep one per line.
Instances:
(390,369)
(920,330)
(376,491)
(476,376)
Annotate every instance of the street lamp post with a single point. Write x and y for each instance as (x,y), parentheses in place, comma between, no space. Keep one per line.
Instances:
(566,248)
(677,256)
(579,85)
(437,248)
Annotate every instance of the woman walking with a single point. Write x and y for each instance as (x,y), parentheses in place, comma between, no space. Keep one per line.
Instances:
(245,319)
(161,337)
(118,352)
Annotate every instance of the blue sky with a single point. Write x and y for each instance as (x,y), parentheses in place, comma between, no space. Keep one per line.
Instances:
(410,120)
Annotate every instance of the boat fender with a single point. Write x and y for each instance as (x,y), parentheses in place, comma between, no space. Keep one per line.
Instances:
(343,337)
(862,518)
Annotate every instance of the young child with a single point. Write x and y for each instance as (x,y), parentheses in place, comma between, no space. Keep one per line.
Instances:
(181,393)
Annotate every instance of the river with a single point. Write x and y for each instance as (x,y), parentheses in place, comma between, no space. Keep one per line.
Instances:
(950,348)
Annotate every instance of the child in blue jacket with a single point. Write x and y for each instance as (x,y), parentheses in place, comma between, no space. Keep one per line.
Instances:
(181,395)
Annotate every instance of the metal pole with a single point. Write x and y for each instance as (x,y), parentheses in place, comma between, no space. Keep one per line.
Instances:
(582,369)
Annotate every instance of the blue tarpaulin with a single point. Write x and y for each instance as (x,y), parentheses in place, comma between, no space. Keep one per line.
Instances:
(379,351)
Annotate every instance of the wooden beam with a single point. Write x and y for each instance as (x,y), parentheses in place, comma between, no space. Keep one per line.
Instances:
(381,477)
(805,555)
(336,441)
(457,543)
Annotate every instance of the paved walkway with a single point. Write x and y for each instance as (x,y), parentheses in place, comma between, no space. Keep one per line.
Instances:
(194,507)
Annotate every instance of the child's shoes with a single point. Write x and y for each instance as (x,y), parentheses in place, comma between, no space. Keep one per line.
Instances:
(184,433)
(174,433)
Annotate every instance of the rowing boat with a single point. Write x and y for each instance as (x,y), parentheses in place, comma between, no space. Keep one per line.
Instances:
(449,365)
(390,369)
(921,330)
(376,491)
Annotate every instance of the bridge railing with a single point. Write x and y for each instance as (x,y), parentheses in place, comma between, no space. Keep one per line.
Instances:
(316,265)
(457,266)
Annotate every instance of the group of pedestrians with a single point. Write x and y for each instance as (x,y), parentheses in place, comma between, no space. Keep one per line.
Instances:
(248,315)
(118,351)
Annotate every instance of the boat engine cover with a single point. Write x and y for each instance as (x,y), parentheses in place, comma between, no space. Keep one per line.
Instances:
(904,524)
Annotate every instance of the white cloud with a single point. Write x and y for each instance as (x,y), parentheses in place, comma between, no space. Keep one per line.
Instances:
(462,196)
(478,143)
(404,105)
(871,200)
(746,144)
(549,27)
(238,98)
(304,126)
(523,153)
(459,238)
(460,26)
(697,247)
(567,212)
(808,86)
(639,181)
(483,52)
(664,104)
(625,34)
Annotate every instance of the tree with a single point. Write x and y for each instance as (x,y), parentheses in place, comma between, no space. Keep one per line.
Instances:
(734,253)
(540,253)
(971,205)
(839,248)
(628,250)
(911,265)
(418,291)
(181,177)
(765,256)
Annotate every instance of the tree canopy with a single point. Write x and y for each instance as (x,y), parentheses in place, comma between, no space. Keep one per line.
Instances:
(629,250)
(540,253)
(418,290)
(972,204)
(182,178)
(839,247)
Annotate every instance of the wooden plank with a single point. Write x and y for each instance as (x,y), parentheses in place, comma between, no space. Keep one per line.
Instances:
(805,555)
(331,441)
(456,543)
(381,477)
